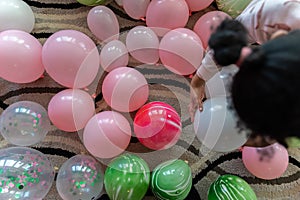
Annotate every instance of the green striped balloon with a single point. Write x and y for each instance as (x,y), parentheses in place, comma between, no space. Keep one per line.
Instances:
(230,187)
(94,2)
(232,7)
(127,177)
(171,180)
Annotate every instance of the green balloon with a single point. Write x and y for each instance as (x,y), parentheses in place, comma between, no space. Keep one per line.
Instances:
(94,2)
(127,177)
(232,7)
(230,187)
(172,180)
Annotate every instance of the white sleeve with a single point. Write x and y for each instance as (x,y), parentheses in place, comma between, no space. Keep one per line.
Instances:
(208,67)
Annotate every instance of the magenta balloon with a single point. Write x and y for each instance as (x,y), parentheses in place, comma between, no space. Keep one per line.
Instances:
(125,89)
(207,24)
(103,23)
(71,58)
(196,5)
(142,44)
(20,57)
(113,55)
(107,134)
(181,51)
(266,163)
(70,109)
(136,9)
(165,15)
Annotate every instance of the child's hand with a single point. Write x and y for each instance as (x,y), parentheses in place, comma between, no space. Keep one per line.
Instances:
(196,100)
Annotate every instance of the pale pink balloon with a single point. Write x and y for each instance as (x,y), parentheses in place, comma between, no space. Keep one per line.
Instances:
(196,5)
(181,51)
(207,24)
(266,163)
(71,58)
(20,57)
(136,9)
(103,23)
(125,89)
(142,44)
(70,109)
(113,55)
(107,134)
(165,15)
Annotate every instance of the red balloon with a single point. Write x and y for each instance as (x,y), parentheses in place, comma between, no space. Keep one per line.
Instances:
(157,125)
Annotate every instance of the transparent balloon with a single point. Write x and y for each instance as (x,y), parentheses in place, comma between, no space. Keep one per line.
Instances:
(80,177)
(25,174)
(24,123)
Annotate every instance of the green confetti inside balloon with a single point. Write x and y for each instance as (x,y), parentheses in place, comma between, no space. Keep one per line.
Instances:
(232,7)
(94,2)
(230,187)
(127,177)
(172,180)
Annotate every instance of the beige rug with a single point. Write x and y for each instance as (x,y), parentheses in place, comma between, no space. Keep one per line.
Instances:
(54,15)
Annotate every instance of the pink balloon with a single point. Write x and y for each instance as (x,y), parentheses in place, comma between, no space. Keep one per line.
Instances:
(20,57)
(181,51)
(165,15)
(136,9)
(157,125)
(113,55)
(103,23)
(266,163)
(207,24)
(125,89)
(196,5)
(107,134)
(71,58)
(70,109)
(142,44)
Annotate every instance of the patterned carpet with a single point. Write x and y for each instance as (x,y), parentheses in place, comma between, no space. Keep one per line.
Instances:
(54,15)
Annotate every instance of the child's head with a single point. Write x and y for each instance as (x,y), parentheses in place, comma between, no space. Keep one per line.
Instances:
(265,91)
(227,41)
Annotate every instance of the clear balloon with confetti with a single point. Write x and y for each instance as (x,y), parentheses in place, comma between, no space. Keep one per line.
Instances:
(24,123)
(80,177)
(25,174)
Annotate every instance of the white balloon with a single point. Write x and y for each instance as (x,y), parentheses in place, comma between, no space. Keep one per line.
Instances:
(220,83)
(142,44)
(16,14)
(217,126)
(113,55)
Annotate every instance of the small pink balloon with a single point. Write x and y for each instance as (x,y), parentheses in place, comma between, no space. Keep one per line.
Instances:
(196,5)
(181,51)
(136,9)
(20,57)
(107,134)
(70,109)
(142,44)
(266,163)
(125,89)
(208,23)
(103,23)
(165,15)
(113,55)
(71,58)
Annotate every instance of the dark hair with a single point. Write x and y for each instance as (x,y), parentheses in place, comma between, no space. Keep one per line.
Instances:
(266,89)
(227,41)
